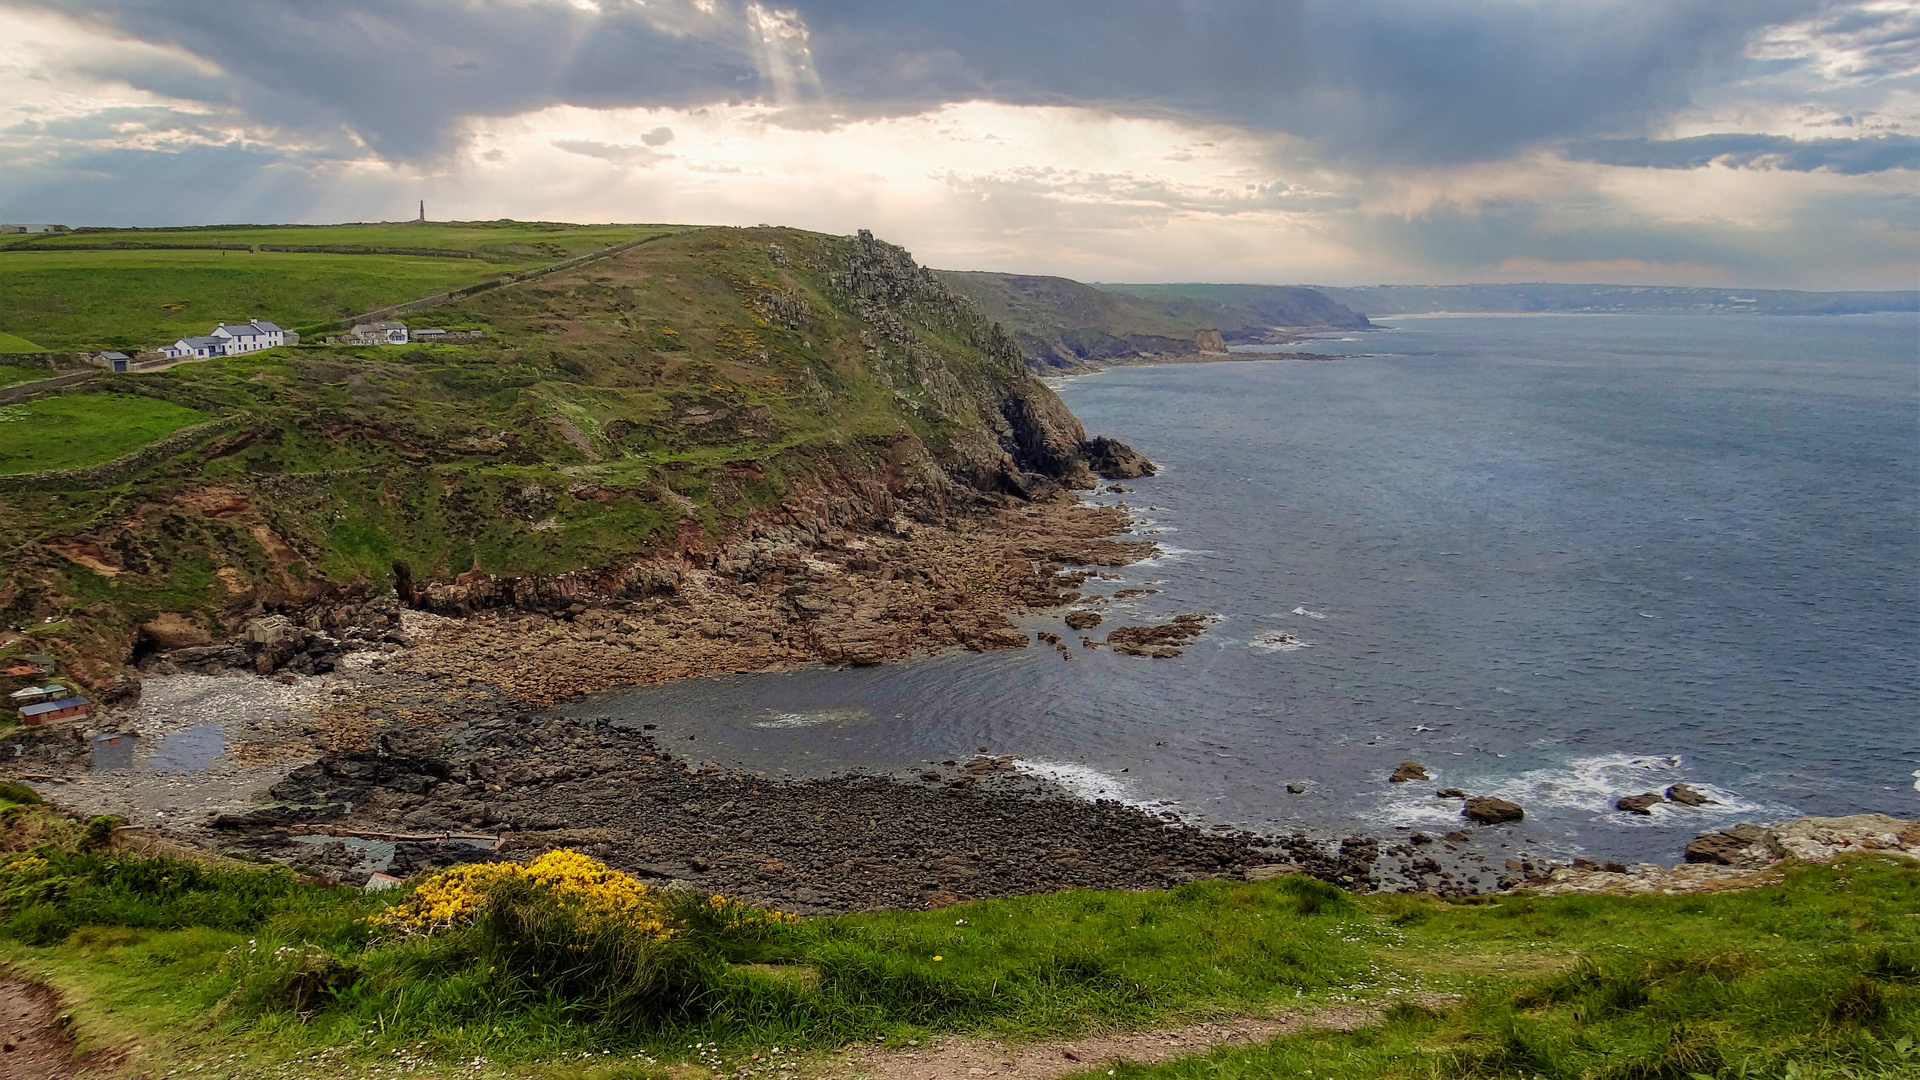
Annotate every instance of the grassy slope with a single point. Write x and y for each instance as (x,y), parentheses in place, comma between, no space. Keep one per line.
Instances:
(1819,976)
(563,441)
(78,299)
(11,343)
(83,429)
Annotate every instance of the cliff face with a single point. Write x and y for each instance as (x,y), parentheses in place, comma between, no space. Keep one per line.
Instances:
(1065,324)
(660,404)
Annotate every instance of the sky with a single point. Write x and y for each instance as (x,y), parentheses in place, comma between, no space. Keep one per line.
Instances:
(1753,143)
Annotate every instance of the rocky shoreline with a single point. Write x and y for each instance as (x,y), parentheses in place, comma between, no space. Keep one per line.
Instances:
(378,736)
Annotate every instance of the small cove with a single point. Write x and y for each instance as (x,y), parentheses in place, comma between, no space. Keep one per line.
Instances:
(1557,560)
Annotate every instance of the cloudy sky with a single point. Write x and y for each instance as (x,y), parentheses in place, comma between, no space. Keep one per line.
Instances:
(1710,142)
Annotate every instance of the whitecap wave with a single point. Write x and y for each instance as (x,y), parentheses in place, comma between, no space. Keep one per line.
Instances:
(811,718)
(1302,610)
(1277,641)
(1588,786)
(1084,781)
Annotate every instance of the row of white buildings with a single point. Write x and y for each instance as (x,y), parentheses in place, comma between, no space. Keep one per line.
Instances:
(230,340)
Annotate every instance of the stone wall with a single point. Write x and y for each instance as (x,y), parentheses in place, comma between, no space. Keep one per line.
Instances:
(120,468)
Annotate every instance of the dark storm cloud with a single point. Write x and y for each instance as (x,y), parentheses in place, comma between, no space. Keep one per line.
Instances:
(1851,157)
(1412,81)
(1424,81)
(399,74)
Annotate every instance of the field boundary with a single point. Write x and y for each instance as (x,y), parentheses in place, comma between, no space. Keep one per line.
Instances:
(18,392)
(501,282)
(108,472)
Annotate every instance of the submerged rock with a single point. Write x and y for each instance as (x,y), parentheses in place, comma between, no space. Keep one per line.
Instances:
(1639,804)
(1686,796)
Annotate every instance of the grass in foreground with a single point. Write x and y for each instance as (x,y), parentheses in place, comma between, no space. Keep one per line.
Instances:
(240,972)
(84,429)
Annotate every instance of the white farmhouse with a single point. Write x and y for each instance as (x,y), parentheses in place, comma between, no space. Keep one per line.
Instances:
(227,340)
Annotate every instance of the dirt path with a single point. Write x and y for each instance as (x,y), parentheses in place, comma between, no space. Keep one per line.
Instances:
(976,1058)
(33,1044)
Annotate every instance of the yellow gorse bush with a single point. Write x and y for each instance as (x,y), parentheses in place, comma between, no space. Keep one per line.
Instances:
(455,897)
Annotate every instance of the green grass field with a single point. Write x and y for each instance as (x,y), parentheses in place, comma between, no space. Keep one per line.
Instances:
(11,374)
(10,343)
(130,299)
(84,429)
(241,972)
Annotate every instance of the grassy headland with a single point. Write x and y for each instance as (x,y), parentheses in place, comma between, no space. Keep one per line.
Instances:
(669,392)
(239,971)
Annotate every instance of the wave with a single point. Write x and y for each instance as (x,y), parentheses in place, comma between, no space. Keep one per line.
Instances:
(1277,641)
(1302,610)
(1085,782)
(811,718)
(1582,786)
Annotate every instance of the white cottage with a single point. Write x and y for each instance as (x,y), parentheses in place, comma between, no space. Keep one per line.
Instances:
(250,337)
(227,340)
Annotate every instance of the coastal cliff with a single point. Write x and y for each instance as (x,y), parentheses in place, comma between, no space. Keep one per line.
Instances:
(694,404)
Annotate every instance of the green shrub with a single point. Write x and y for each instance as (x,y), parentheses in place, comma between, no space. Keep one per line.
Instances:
(12,791)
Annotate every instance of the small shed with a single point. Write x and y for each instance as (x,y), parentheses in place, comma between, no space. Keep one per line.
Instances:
(118,361)
(47,711)
(34,695)
(42,662)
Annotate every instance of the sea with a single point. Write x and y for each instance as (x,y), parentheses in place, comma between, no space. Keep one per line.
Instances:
(1557,559)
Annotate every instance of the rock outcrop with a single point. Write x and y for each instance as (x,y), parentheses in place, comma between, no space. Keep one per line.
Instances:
(1487,810)
(1743,856)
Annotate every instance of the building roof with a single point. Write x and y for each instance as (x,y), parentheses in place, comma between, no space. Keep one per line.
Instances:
(52,706)
(267,326)
(113,355)
(30,691)
(204,341)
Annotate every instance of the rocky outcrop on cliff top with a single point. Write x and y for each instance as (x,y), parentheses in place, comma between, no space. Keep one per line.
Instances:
(1746,855)
(1031,436)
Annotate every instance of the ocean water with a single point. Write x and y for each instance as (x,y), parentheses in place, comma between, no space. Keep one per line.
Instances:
(1557,559)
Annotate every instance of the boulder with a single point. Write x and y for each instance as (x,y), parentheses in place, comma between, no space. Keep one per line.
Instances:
(1686,796)
(1745,847)
(1408,770)
(1271,871)
(1083,620)
(1115,460)
(1639,804)
(1450,793)
(1488,810)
